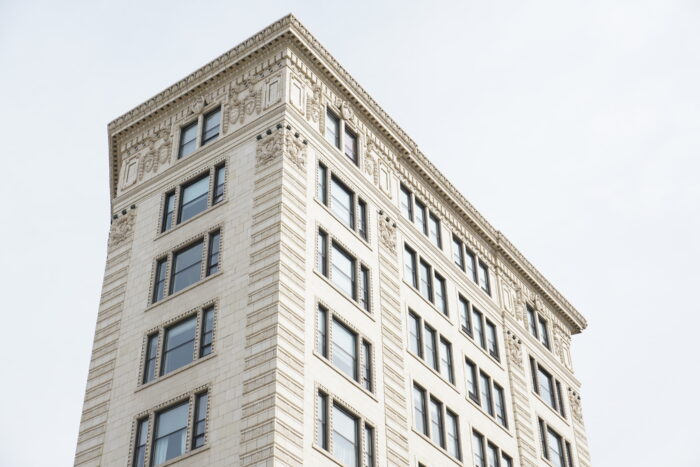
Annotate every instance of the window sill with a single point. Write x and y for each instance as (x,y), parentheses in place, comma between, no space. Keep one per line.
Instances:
(184,456)
(175,372)
(436,373)
(366,242)
(349,299)
(160,235)
(491,417)
(438,447)
(180,292)
(327,454)
(352,381)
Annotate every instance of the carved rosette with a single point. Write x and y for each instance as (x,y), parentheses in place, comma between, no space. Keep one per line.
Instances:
(515,350)
(121,229)
(387,232)
(575,404)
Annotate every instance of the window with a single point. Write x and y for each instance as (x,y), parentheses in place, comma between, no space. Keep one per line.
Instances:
(187,266)
(332,128)
(409,265)
(211,126)
(425,285)
(350,145)
(486,393)
(210,129)
(487,454)
(538,326)
(171,426)
(441,294)
(349,208)
(344,270)
(429,416)
(337,127)
(185,340)
(547,387)
(416,211)
(192,198)
(554,447)
(478,327)
(344,348)
(476,269)
(458,252)
(483,274)
(339,434)
(423,341)
(429,283)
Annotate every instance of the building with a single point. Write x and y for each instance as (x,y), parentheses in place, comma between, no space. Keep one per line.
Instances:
(290,281)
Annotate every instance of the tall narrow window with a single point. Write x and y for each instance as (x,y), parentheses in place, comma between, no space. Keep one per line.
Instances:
(159,283)
(544,333)
(458,252)
(345,437)
(178,345)
(219,182)
(141,440)
(362,218)
(478,447)
(188,140)
(431,348)
(406,203)
(369,446)
(419,411)
(478,323)
(491,339)
(532,321)
(425,281)
(149,370)
(168,211)
(322,253)
(367,365)
(437,426)
(187,267)
(465,315)
(421,216)
(492,457)
(193,198)
(342,203)
(344,349)
(332,129)
(199,427)
(409,264)
(350,144)
(484,282)
(446,360)
(343,271)
(322,189)
(560,399)
(471,264)
(213,258)
(500,405)
(322,332)
(434,231)
(507,460)
(322,420)
(212,123)
(486,398)
(472,384)
(206,339)
(441,294)
(364,288)
(545,386)
(170,434)
(453,443)
(555,448)
(415,344)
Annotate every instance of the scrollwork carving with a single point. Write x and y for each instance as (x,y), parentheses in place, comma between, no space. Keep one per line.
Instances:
(121,229)
(285,142)
(387,232)
(515,351)
(575,403)
(313,104)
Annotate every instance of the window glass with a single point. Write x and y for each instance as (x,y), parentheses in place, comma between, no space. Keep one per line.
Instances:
(457,252)
(556,453)
(212,123)
(491,339)
(478,446)
(487,401)
(545,389)
(507,460)
(478,323)
(193,198)
(141,439)
(322,421)
(367,365)
(168,212)
(471,264)
(434,231)
(344,349)
(200,421)
(219,180)
(362,213)
(405,203)
(322,189)
(436,424)
(544,334)
(343,271)
(345,437)
(170,433)
(425,284)
(472,385)
(414,343)
(178,345)
(500,403)
(364,288)
(213,260)
(419,410)
(187,267)
(332,129)
(149,371)
(159,285)
(532,321)
(440,294)
(409,264)
(484,278)
(342,203)
(188,140)
(321,332)
(205,345)
(420,217)
(369,446)
(322,258)
(350,144)
(453,445)
(465,315)
(430,348)
(446,360)
(492,455)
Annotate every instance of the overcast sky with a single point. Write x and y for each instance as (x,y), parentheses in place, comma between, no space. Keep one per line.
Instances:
(573,126)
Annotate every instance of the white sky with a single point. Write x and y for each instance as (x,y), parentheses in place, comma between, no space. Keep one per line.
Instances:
(573,126)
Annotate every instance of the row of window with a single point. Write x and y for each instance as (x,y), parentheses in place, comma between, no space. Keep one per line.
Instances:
(487,454)
(342,201)
(169,430)
(468,262)
(538,326)
(547,387)
(415,211)
(434,349)
(193,197)
(486,393)
(341,136)
(344,347)
(189,265)
(348,437)
(436,421)
(479,328)
(343,269)
(554,447)
(191,138)
(178,344)
(429,283)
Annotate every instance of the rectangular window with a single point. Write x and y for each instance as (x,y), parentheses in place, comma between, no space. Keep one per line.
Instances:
(441,294)
(149,369)
(199,428)
(170,433)
(472,384)
(207,337)
(141,442)
(453,443)
(322,420)
(500,404)
(553,446)
(545,387)
(434,231)
(212,123)
(465,315)
(421,216)
(322,254)
(188,140)
(213,256)
(159,283)
(350,144)
(369,446)
(492,457)
(343,270)
(168,212)
(322,189)
(431,348)
(486,396)
(507,460)
(187,267)
(406,203)
(419,410)
(491,339)
(364,288)
(348,274)
(193,198)
(544,333)
(322,332)
(478,323)
(437,426)
(538,326)
(446,369)
(346,444)
(532,321)
(342,203)
(471,264)
(344,349)
(219,183)
(178,345)
(409,264)
(478,447)
(425,285)
(332,129)
(458,252)
(484,282)
(367,365)
(415,343)
(362,218)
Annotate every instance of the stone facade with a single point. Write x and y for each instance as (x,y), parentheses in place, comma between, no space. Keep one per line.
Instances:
(265,371)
